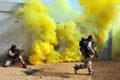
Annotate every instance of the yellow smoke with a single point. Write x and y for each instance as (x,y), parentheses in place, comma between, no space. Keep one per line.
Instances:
(116,43)
(99,13)
(38,21)
(42,28)
(49,43)
(116,33)
(58,42)
(68,36)
(40,51)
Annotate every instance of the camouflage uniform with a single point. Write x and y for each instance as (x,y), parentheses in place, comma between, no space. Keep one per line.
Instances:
(87,52)
(12,55)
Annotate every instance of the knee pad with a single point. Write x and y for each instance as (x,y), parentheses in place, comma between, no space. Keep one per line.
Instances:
(89,63)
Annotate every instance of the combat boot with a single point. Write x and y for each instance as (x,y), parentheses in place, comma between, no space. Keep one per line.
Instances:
(90,71)
(76,68)
(24,66)
(7,63)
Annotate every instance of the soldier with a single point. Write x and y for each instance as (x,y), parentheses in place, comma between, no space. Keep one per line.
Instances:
(13,54)
(87,50)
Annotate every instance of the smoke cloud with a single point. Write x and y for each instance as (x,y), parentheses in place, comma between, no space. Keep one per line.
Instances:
(59,42)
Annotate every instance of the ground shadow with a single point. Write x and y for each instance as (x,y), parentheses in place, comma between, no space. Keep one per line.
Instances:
(52,73)
(41,72)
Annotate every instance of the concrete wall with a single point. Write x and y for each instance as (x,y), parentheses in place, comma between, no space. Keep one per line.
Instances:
(12,30)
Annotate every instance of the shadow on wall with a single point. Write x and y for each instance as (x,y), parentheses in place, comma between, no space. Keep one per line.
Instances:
(3,57)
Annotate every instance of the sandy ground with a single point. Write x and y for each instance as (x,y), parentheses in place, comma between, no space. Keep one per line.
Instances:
(104,70)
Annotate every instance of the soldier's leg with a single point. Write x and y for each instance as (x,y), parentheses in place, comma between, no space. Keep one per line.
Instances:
(7,63)
(90,70)
(81,66)
(13,61)
(22,61)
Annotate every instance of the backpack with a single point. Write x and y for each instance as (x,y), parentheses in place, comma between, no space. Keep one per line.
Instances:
(83,47)
(83,43)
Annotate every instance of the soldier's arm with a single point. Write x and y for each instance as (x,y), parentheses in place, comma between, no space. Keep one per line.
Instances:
(10,53)
(89,46)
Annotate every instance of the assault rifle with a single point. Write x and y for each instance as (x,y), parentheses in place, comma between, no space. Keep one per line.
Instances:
(93,46)
(18,52)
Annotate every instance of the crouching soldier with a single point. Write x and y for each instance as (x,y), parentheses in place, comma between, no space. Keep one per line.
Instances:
(87,50)
(13,54)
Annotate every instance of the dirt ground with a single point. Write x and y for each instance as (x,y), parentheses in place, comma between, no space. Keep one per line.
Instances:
(104,70)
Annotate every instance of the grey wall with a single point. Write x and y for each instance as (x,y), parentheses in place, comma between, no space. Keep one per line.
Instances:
(107,51)
(12,30)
